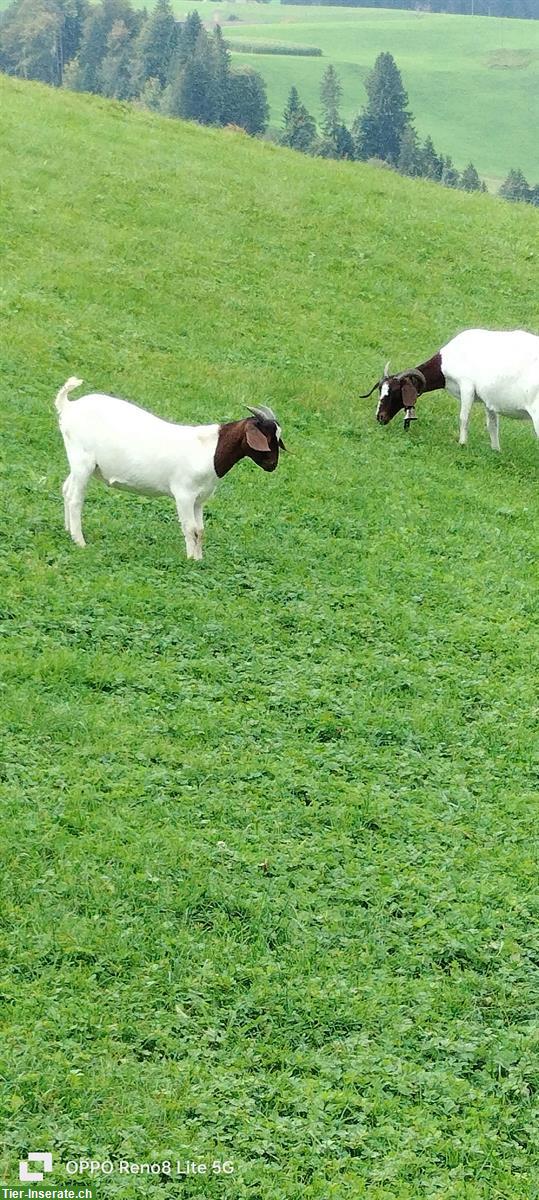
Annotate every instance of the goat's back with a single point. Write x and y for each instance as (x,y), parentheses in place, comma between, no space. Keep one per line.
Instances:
(131,446)
(502,365)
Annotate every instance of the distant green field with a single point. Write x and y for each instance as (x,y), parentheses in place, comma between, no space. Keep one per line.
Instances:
(269,822)
(473,83)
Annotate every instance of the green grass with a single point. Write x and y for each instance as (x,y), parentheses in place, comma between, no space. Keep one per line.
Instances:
(269,822)
(473,83)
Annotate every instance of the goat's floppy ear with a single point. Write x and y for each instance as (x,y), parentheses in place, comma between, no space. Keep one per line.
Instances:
(255,438)
(281,444)
(409,393)
(409,396)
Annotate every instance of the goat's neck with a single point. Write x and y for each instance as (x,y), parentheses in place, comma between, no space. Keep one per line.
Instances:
(432,370)
(230,447)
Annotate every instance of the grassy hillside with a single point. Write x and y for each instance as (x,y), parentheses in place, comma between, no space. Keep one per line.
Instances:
(473,83)
(269,822)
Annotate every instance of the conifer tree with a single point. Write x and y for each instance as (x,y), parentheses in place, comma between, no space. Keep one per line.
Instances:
(330,97)
(246,100)
(75,13)
(469,180)
(336,140)
(409,160)
(379,128)
(84,75)
(116,70)
(92,50)
(191,30)
(450,175)
(431,164)
(151,96)
(155,46)
(344,143)
(189,34)
(339,145)
(515,187)
(221,70)
(299,128)
(193,92)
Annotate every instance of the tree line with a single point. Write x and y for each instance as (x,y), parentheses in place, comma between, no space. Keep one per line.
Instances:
(112,49)
(526,9)
(384,131)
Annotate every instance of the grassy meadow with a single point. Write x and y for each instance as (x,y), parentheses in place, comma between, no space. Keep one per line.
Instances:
(269,821)
(473,83)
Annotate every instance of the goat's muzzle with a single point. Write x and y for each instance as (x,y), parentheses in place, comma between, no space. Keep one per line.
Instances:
(270,463)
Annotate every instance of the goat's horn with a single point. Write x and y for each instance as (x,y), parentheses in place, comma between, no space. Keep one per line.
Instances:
(417,374)
(262,411)
(413,373)
(386,368)
(365,395)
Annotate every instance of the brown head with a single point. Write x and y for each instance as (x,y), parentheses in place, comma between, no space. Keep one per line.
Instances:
(257,437)
(397,392)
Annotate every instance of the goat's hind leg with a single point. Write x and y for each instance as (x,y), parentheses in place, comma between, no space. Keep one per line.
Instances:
(74,490)
(493,424)
(534,414)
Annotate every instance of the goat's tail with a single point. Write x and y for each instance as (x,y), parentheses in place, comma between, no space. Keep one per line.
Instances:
(62,397)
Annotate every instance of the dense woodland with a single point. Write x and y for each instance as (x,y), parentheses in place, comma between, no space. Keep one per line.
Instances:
(175,67)
(480,8)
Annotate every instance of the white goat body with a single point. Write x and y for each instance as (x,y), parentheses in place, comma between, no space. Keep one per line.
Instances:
(130,448)
(498,368)
(501,369)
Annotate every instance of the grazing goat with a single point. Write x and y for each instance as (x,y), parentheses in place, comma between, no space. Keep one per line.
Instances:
(501,369)
(127,447)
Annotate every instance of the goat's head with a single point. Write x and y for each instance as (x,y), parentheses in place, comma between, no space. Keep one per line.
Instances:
(263,437)
(398,392)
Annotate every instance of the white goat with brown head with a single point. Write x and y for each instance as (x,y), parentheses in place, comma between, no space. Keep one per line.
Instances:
(128,447)
(499,368)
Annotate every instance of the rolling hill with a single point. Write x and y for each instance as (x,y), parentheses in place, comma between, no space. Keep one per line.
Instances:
(269,822)
(473,83)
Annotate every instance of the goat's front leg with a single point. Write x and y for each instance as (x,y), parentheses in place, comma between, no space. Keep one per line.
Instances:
(65,494)
(467,396)
(199,530)
(493,424)
(186,517)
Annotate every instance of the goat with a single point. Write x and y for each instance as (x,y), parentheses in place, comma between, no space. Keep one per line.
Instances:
(501,369)
(130,448)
